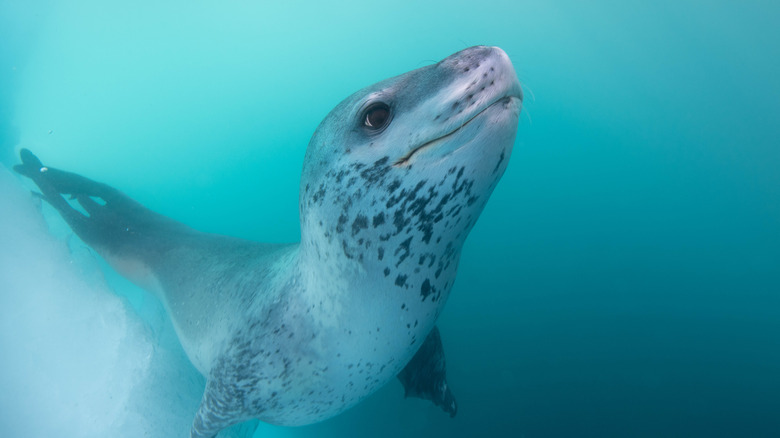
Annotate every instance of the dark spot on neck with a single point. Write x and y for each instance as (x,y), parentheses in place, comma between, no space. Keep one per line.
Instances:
(360,223)
(426,289)
(379,219)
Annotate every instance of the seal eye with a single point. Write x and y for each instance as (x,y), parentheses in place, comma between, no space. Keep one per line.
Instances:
(377,116)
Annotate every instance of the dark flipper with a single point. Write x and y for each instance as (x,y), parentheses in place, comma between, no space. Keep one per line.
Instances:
(425,375)
(115,225)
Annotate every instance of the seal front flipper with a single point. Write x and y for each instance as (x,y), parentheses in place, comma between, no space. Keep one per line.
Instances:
(425,375)
(117,223)
(48,181)
(129,236)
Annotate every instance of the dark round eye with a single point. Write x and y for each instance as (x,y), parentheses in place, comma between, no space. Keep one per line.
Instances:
(377,116)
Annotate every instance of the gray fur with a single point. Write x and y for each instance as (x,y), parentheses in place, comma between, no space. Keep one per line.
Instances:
(295,334)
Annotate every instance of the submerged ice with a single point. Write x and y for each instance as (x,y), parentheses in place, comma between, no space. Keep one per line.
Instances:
(77,359)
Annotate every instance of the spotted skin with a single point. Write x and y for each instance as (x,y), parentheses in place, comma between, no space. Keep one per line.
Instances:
(295,334)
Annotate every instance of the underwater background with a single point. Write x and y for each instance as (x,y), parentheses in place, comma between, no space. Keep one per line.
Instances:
(623,281)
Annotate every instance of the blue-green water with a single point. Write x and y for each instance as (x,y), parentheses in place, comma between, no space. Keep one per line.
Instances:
(624,279)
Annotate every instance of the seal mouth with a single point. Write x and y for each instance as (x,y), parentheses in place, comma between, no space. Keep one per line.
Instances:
(406,158)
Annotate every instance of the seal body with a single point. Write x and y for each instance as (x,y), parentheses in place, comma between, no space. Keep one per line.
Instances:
(393,180)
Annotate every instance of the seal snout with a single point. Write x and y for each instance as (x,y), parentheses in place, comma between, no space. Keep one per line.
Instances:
(477,81)
(481,77)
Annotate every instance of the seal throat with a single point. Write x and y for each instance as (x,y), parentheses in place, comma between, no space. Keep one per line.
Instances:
(403,161)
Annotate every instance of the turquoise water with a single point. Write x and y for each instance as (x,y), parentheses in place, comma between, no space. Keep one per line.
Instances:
(624,279)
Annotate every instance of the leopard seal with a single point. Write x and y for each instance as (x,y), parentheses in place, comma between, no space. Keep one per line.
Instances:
(393,180)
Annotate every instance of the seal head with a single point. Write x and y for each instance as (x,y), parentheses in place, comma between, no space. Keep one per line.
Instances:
(397,174)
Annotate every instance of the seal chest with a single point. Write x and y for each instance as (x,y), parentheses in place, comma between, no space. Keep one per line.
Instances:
(394,179)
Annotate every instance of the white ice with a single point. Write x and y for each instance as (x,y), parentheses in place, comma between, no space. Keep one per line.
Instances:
(82,352)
